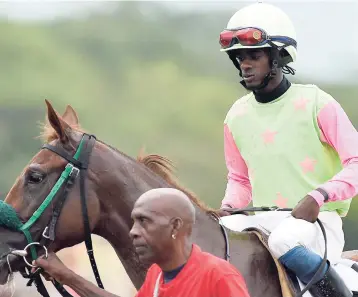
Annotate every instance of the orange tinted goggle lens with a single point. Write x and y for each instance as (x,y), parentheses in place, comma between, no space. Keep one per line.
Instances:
(247,36)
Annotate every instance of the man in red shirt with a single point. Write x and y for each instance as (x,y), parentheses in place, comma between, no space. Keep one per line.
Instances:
(161,233)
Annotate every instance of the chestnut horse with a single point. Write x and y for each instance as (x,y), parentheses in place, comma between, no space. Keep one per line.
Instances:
(113,183)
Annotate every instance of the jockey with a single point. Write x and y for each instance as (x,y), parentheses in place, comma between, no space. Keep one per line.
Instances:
(288,145)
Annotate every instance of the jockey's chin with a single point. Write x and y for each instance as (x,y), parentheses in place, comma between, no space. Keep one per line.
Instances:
(253,81)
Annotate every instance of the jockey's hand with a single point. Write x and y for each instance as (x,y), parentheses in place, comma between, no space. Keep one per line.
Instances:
(307,209)
(53,267)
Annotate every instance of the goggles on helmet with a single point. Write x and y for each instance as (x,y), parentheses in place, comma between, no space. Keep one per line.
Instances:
(251,36)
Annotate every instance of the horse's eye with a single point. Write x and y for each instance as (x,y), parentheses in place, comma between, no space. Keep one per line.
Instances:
(35,177)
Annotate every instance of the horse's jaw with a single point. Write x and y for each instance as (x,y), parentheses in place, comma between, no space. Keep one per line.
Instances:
(115,230)
(135,270)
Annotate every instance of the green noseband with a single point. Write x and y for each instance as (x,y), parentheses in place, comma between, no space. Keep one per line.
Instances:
(10,219)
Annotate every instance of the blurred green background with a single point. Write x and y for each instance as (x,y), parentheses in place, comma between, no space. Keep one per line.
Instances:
(138,76)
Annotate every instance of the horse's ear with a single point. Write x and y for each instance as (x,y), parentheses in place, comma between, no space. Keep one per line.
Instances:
(70,116)
(57,123)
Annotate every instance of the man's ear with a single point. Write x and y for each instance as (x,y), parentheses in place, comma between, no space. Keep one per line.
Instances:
(177,223)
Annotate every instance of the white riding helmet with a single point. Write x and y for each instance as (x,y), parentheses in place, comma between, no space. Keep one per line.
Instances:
(272,20)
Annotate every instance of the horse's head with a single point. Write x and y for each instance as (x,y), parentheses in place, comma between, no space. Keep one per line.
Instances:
(36,200)
(46,204)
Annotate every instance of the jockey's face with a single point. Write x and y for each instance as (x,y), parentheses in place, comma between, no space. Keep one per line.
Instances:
(254,64)
(151,233)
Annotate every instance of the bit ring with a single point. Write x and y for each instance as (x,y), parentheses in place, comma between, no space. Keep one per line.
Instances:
(30,244)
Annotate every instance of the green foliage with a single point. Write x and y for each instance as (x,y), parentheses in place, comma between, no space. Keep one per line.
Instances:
(156,80)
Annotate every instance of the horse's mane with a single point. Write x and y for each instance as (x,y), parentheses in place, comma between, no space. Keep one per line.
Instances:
(164,168)
(156,163)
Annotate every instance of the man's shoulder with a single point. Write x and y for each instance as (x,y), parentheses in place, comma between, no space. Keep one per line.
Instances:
(312,88)
(152,273)
(321,98)
(218,270)
(153,269)
(304,86)
(242,100)
(148,286)
(238,104)
(217,265)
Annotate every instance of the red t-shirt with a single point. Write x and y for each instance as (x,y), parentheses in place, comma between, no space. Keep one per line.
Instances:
(204,275)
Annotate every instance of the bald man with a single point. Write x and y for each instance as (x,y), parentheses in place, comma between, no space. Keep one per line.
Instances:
(163,219)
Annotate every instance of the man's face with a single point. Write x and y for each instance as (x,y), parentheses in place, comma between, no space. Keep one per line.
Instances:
(151,233)
(254,64)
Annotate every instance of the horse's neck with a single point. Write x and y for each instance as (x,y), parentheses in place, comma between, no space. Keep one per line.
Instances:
(121,184)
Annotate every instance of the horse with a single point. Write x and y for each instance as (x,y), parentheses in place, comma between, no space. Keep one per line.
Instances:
(101,203)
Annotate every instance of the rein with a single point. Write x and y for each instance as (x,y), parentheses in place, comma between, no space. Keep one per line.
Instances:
(77,166)
(274,208)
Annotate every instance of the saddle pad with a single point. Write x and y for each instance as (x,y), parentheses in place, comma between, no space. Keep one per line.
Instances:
(288,287)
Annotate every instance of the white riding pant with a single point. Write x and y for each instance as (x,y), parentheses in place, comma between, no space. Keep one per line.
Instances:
(287,232)
(291,232)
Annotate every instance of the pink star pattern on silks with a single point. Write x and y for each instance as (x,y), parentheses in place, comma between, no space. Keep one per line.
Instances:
(308,165)
(269,136)
(300,104)
(240,110)
(281,201)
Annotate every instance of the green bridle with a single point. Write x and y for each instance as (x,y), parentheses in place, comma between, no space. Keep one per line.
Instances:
(10,219)
(77,165)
